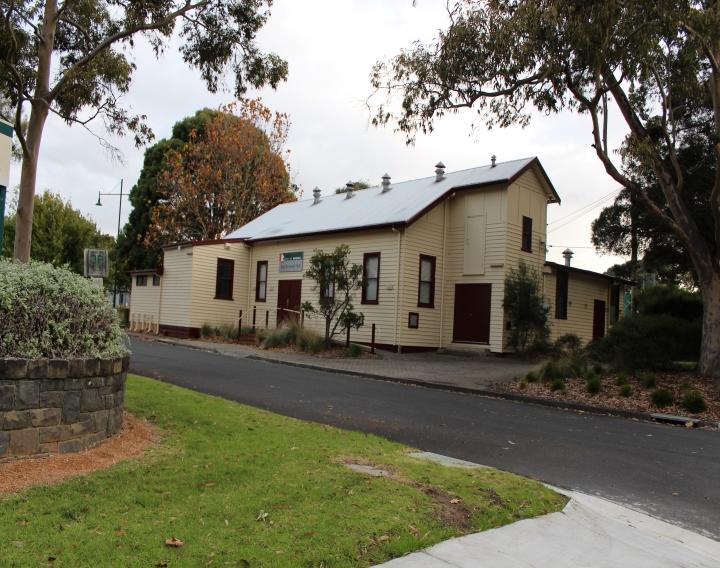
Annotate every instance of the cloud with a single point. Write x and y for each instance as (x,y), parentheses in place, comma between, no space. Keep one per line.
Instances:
(331,46)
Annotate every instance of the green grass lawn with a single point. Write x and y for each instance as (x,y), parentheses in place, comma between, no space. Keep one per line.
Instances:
(244,487)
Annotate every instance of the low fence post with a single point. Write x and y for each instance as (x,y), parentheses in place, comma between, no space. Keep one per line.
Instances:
(302,318)
(372,340)
(267,319)
(240,323)
(254,314)
(347,340)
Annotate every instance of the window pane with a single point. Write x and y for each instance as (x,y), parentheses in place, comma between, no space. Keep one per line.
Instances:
(371,267)
(371,289)
(263,272)
(425,270)
(261,290)
(424,292)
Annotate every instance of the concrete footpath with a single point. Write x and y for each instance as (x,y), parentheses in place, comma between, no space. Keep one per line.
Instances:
(589,532)
(475,372)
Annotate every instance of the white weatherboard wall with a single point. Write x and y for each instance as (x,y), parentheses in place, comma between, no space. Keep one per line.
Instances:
(526,197)
(145,300)
(385,241)
(583,290)
(463,209)
(424,236)
(205,308)
(177,283)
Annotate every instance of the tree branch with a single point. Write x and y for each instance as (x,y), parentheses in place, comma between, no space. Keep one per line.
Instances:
(123,34)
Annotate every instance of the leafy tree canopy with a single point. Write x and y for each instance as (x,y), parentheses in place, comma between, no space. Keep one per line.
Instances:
(220,180)
(133,250)
(336,278)
(356,185)
(62,233)
(74,59)
(659,63)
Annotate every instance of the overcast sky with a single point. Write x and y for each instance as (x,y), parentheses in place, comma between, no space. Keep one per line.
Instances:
(330,46)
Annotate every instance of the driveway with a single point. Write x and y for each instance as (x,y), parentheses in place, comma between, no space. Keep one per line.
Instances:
(469,371)
(669,472)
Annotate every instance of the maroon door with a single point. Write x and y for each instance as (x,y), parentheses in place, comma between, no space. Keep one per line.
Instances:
(471,323)
(288,300)
(598,319)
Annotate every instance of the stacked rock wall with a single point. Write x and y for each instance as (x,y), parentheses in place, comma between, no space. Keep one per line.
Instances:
(59,405)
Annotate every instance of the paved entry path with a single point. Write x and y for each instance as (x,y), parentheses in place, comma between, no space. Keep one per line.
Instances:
(589,532)
(472,371)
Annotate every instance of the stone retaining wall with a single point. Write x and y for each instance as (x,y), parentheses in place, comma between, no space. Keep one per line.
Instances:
(59,405)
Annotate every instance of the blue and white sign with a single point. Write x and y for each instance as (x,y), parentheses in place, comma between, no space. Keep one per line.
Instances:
(291,262)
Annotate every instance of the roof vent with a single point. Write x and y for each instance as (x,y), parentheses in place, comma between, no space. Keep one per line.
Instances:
(493,158)
(316,195)
(386,183)
(349,186)
(439,171)
(567,254)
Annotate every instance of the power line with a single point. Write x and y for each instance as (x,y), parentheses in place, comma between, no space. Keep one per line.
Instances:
(579,213)
(586,206)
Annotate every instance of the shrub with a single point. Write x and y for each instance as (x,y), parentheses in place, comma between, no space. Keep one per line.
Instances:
(670,300)
(48,312)
(353,350)
(557,385)
(593,385)
(626,390)
(621,379)
(568,342)
(261,335)
(207,330)
(523,384)
(573,365)
(647,379)
(525,308)
(598,369)
(693,401)
(531,377)
(661,398)
(280,337)
(308,340)
(649,342)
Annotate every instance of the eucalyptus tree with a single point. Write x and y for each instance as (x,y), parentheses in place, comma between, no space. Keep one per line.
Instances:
(72,58)
(657,62)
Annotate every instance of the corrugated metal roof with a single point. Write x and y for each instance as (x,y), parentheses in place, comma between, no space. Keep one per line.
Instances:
(371,207)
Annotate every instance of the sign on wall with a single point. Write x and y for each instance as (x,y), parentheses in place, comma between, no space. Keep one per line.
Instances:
(96,263)
(291,262)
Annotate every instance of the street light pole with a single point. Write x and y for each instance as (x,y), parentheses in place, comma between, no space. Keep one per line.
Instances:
(117,238)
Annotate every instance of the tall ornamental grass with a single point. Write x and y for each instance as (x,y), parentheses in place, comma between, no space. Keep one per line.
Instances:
(49,312)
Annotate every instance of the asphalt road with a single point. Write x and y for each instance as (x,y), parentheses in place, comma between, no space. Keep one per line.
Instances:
(669,472)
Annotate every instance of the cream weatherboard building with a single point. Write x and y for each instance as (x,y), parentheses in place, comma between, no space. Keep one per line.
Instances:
(435,253)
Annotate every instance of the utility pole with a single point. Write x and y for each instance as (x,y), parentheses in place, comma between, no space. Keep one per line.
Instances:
(6,134)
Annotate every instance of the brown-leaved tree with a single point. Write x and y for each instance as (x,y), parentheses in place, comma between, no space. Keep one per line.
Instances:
(224,177)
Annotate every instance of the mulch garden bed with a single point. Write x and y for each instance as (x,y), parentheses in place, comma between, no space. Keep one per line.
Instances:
(336,352)
(678,383)
(135,437)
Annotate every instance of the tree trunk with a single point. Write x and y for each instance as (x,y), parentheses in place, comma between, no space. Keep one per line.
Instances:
(36,124)
(328,323)
(28,176)
(710,348)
